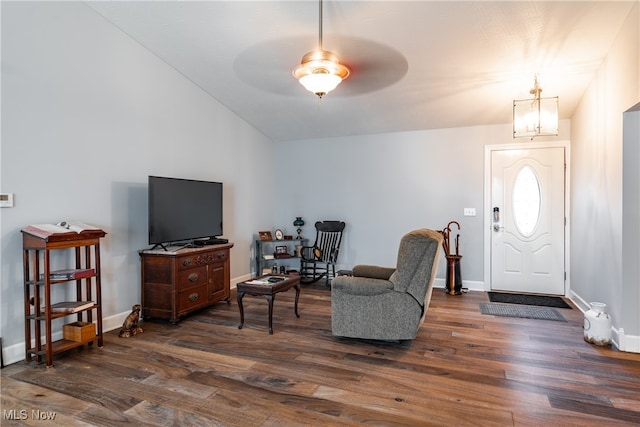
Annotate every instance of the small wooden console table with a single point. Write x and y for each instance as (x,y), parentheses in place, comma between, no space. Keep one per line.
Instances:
(261,286)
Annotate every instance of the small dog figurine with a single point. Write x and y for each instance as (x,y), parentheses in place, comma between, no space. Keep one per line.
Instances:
(130,326)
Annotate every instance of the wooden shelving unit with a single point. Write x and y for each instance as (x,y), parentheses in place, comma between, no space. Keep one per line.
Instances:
(37,290)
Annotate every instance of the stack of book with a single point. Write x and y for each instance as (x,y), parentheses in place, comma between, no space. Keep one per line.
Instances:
(70,306)
(70,274)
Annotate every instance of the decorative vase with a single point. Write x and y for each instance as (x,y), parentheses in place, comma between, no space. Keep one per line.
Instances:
(597,325)
(298,223)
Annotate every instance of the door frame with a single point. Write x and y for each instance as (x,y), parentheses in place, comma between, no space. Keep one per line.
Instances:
(488,149)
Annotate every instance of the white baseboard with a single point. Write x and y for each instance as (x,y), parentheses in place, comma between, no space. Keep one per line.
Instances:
(15,353)
(237,280)
(471,285)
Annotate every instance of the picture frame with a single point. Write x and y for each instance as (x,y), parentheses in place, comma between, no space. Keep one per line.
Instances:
(282,252)
(265,235)
(279,234)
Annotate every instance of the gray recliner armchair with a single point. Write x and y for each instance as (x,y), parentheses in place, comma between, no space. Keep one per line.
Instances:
(383,303)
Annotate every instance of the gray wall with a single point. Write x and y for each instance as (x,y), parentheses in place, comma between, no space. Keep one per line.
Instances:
(87,115)
(630,314)
(597,181)
(386,185)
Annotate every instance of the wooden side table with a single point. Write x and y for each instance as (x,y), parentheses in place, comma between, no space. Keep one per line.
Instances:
(261,286)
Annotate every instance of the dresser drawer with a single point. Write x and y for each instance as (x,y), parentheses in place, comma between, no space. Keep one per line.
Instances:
(207,258)
(192,298)
(192,277)
(221,255)
(190,261)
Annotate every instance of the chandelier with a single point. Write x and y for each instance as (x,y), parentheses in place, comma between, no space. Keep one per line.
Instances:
(537,116)
(320,71)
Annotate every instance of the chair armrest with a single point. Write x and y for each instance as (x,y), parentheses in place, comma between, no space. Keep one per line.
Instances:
(373,271)
(360,286)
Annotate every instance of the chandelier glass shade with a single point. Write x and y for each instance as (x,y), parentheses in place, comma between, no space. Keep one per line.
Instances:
(320,71)
(535,117)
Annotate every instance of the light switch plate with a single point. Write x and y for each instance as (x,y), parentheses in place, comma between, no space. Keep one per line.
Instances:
(6,200)
(469,211)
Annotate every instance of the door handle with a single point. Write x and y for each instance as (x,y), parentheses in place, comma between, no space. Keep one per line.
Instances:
(497,227)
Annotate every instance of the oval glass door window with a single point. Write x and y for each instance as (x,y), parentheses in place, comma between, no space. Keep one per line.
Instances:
(526,201)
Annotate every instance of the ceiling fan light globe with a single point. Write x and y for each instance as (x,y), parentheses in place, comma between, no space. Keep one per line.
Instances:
(320,83)
(320,72)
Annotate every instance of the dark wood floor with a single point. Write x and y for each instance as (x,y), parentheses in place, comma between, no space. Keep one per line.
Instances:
(464,368)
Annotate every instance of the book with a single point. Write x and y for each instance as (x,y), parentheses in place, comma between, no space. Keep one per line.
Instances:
(266,280)
(258,282)
(70,274)
(70,306)
(63,228)
(81,227)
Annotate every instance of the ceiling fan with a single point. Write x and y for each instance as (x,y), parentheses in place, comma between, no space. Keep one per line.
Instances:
(370,65)
(320,70)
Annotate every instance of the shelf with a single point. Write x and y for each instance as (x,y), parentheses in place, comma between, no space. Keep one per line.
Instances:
(55,315)
(83,277)
(283,241)
(62,345)
(56,281)
(280,259)
(268,247)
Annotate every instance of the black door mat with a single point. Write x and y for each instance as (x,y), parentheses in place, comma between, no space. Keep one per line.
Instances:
(522,311)
(525,299)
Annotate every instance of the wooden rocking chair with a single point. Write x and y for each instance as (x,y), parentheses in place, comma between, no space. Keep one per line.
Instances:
(319,260)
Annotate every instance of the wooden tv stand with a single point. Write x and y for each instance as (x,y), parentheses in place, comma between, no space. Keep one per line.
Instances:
(176,283)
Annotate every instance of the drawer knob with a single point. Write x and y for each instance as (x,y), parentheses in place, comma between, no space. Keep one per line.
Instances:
(221,255)
(193,297)
(193,277)
(186,262)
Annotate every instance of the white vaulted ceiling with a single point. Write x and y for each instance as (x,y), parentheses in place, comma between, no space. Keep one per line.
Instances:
(414,64)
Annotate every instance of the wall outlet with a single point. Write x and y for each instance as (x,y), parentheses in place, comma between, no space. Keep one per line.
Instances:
(469,211)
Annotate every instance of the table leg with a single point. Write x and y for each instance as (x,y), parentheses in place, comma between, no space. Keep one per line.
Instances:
(239,298)
(297,288)
(270,298)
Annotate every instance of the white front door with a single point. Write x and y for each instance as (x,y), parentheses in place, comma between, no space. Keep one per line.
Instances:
(528,220)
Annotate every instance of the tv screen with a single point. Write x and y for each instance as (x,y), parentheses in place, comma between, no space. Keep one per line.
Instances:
(183,209)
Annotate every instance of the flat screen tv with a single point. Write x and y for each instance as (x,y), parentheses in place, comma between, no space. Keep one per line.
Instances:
(183,210)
